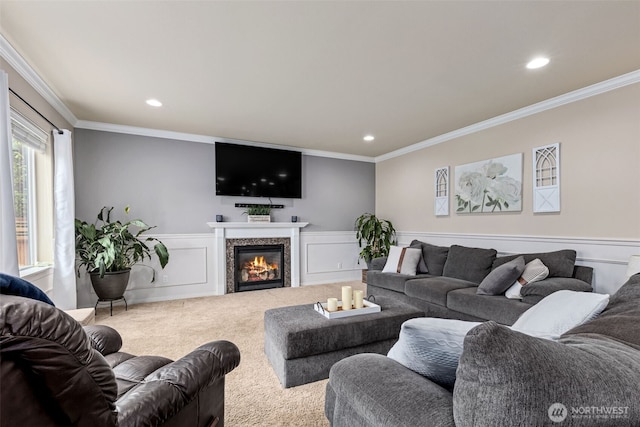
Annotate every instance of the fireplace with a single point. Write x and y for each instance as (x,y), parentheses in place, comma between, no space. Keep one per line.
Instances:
(258,267)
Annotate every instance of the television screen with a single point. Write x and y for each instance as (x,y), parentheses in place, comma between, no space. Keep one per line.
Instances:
(244,170)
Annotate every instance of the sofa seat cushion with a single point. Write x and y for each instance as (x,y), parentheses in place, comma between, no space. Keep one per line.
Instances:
(560,263)
(472,264)
(497,308)
(435,289)
(391,281)
(527,375)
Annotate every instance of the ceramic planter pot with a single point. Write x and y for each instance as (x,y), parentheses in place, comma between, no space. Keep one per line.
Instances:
(112,285)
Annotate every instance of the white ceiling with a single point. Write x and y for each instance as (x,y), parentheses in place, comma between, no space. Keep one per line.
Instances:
(318,74)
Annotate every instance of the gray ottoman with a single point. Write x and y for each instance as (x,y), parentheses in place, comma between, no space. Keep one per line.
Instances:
(302,344)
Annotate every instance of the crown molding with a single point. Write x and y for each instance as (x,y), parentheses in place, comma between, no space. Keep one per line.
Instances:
(133,130)
(577,95)
(28,73)
(180,136)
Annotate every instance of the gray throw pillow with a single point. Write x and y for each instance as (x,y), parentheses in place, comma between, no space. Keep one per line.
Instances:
(501,278)
(470,264)
(560,263)
(433,257)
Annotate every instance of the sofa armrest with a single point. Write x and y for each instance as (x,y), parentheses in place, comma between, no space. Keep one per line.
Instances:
(374,390)
(377,263)
(584,273)
(533,293)
(165,392)
(104,339)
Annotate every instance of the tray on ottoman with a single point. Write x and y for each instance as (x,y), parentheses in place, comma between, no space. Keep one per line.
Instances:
(302,345)
(369,307)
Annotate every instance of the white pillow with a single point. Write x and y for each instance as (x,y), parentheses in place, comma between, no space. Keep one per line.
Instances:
(432,347)
(402,260)
(555,314)
(534,271)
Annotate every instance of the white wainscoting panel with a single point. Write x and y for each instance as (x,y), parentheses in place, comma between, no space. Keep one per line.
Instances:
(608,257)
(328,257)
(190,273)
(332,256)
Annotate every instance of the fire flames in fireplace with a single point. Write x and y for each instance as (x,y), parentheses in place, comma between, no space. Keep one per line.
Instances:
(259,269)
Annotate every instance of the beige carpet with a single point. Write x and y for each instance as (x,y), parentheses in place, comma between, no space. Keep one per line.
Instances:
(254,396)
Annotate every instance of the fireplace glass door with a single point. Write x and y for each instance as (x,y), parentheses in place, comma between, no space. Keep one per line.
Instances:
(258,267)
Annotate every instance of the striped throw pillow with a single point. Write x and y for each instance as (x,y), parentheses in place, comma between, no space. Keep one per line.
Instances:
(402,260)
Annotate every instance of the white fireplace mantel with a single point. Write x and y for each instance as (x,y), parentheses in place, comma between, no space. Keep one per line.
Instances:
(248,230)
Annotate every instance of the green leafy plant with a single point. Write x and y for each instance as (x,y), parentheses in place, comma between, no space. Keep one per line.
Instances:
(377,234)
(258,210)
(109,246)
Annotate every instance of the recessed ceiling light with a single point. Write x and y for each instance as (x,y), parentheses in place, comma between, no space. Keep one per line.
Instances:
(154,102)
(537,63)
(369,138)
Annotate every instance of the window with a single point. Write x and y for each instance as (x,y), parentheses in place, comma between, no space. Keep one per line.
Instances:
(32,188)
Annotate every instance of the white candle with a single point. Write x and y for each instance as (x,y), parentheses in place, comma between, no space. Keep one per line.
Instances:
(347,297)
(332,304)
(358,297)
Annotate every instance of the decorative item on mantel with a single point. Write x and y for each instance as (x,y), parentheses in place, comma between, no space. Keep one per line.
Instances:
(258,213)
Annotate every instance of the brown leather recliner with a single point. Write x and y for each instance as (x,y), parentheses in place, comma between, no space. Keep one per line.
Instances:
(54,372)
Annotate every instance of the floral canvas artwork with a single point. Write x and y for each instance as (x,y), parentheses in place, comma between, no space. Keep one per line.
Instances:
(490,185)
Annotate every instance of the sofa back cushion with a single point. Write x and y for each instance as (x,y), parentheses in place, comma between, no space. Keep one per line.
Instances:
(619,320)
(560,263)
(472,264)
(433,257)
(534,381)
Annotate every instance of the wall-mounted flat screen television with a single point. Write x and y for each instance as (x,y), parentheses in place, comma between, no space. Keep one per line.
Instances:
(245,170)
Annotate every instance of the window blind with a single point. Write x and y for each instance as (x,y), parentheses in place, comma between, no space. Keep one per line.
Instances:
(27,132)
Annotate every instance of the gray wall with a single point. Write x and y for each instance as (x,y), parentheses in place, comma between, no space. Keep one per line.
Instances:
(171,184)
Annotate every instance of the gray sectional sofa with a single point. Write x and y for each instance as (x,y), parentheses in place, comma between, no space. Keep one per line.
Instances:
(447,280)
(588,377)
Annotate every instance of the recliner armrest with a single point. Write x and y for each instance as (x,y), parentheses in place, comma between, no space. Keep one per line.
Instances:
(103,338)
(165,392)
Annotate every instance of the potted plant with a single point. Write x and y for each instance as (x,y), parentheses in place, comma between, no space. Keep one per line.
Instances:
(258,213)
(377,235)
(108,249)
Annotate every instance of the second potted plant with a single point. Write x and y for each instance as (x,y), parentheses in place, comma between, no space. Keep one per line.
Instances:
(376,234)
(108,249)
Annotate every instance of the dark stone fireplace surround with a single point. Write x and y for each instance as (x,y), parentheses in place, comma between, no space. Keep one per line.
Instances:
(230,243)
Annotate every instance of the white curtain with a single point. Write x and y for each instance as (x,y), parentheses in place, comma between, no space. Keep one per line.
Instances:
(8,242)
(64,279)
